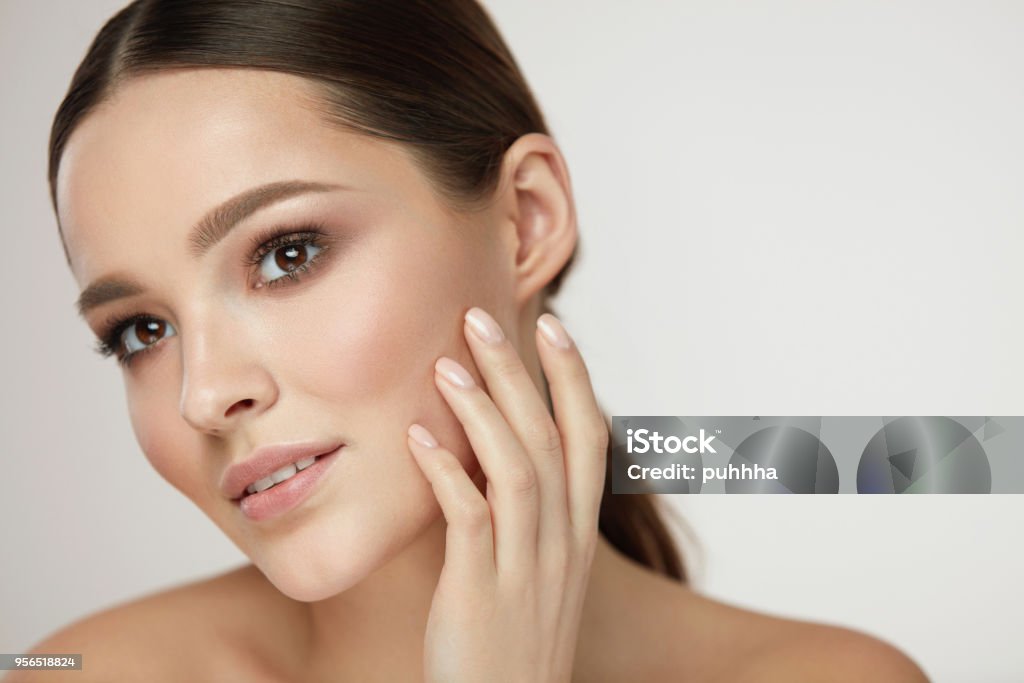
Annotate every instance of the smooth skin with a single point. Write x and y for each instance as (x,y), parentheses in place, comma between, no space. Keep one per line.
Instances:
(382,573)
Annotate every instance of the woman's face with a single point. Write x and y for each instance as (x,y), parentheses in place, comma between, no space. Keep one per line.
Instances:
(241,354)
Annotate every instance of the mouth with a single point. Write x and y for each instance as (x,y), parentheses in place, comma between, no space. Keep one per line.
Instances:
(295,486)
(285,474)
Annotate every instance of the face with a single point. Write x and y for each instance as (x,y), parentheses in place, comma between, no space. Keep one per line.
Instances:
(237,348)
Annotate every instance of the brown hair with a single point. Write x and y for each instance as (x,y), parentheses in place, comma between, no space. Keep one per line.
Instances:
(434,75)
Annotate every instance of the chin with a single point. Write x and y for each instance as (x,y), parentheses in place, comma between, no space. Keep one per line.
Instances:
(332,557)
(318,575)
(305,588)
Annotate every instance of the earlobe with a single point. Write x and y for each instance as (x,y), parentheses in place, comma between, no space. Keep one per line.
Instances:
(544,212)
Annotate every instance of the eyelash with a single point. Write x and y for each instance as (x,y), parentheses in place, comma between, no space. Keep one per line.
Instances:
(262,244)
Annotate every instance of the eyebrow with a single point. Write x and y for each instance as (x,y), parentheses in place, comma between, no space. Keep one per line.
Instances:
(213,227)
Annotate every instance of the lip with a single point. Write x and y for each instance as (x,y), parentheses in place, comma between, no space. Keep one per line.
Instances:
(266,460)
(281,498)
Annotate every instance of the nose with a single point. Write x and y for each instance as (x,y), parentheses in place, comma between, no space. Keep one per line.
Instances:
(224,381)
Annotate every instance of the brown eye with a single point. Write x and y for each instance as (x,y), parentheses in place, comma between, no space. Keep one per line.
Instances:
(149,331)
(144,333)
(290,257)
(287,260)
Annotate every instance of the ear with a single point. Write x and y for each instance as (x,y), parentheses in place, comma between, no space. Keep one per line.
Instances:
(540,204)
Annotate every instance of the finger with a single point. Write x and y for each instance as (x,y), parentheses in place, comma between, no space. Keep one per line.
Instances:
(469,541)
(514,393)
(579,419)
(510,475)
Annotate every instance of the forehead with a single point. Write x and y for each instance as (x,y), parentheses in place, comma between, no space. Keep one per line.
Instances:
(146,165)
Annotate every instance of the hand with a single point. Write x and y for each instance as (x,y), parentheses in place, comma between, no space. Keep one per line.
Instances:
(508,603)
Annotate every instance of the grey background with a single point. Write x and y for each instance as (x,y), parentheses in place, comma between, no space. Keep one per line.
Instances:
(792,208)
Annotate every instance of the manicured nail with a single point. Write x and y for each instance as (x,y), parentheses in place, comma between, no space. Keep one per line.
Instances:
(422,435)
(453,372)
(553,331)
(484,325)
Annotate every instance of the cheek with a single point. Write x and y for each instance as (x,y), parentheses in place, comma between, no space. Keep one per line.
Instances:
(341,345)
(173,451)
(364,339)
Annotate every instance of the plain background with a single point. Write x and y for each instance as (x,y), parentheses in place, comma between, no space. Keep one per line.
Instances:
(786,208)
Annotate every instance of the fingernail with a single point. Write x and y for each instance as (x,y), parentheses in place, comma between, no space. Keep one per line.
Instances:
(422,435)
(553,331)
(453,372)
(484,325)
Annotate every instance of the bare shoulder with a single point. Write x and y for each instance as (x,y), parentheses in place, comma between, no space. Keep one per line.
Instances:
(165,636)
(830,654)
(679,630)
(756,647)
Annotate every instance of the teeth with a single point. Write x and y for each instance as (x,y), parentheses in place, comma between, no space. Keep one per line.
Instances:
(283,474)
(261,485)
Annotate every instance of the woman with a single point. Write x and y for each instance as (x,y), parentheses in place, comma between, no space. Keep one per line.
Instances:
(320,237)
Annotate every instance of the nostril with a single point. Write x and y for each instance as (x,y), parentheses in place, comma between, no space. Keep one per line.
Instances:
(244,403)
